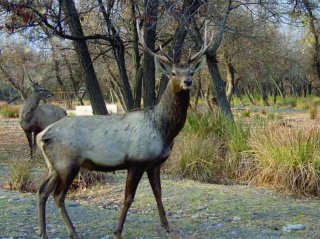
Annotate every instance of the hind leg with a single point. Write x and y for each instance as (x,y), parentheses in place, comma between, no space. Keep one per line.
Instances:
(44,192)
(60,194)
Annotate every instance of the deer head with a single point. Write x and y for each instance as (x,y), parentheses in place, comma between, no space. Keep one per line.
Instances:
(181,76)
(40,92)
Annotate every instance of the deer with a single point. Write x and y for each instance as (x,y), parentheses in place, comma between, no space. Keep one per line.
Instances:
(33,118)
(138,141)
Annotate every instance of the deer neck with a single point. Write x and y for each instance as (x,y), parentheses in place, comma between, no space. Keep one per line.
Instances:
(30,106)
(171,113)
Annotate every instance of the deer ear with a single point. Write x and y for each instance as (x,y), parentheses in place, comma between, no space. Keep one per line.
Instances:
(163,67)
(198,65)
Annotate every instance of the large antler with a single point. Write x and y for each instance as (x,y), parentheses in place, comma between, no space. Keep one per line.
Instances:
(165,58)
(204,47)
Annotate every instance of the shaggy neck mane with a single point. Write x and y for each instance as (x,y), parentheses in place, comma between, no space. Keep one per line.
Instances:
(170,113)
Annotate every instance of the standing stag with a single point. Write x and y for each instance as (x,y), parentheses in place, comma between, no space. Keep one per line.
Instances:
(34,117)
(138,141)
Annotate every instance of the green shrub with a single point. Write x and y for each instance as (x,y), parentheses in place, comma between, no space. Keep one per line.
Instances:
(10,111)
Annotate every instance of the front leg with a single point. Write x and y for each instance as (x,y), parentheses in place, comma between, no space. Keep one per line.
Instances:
(154,179)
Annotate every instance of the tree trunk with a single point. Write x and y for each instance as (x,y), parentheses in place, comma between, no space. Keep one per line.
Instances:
(219,85)
(95,95)
(138,70)
(313,29)
(230,79)
(119,53)
(150,25)
(74,82)
(137,88)
(264,94)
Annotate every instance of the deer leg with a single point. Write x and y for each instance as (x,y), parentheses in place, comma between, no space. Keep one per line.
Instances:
(34,145)
(60,194)
(44,192)
(29,137)
(154,179)
(133,179)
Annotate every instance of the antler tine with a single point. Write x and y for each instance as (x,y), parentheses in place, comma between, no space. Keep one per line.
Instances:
(164,58)
(204,47)
(25,71)
(166,55)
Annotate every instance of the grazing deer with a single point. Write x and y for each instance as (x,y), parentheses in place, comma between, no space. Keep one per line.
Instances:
(34,117)
(138,141)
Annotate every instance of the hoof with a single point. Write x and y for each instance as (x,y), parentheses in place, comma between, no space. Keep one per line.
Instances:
(73,235)
(166,227)
(117,235)
(43,236)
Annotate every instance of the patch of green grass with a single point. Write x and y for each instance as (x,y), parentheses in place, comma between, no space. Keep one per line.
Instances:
(246,113)
(288,102)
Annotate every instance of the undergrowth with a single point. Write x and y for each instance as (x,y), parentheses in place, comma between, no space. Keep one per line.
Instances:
(211,148)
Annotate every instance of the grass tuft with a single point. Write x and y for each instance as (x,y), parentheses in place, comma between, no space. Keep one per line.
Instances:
(209,149)
(285,159)
(9,111)
(19,177)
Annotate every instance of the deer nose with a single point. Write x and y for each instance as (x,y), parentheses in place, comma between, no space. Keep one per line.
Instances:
(188,82)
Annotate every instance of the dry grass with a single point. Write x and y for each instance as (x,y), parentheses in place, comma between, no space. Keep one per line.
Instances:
(313,111)
(19,177)
(286,159)
(9,111)
(87,179)
(204,161)
(211,149)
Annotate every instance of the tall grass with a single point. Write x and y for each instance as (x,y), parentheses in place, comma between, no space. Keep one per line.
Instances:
(285,159)
(211,148)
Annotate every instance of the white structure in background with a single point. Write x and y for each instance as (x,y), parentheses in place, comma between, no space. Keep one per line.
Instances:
(87,110)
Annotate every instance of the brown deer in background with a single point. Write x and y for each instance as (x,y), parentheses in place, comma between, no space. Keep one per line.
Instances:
(34,117)
(138,141)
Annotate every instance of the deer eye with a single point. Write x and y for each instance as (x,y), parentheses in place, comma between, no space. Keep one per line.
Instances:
(173,73)
(191,73)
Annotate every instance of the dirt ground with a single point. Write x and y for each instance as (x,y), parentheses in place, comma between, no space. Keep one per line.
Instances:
(195,210)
